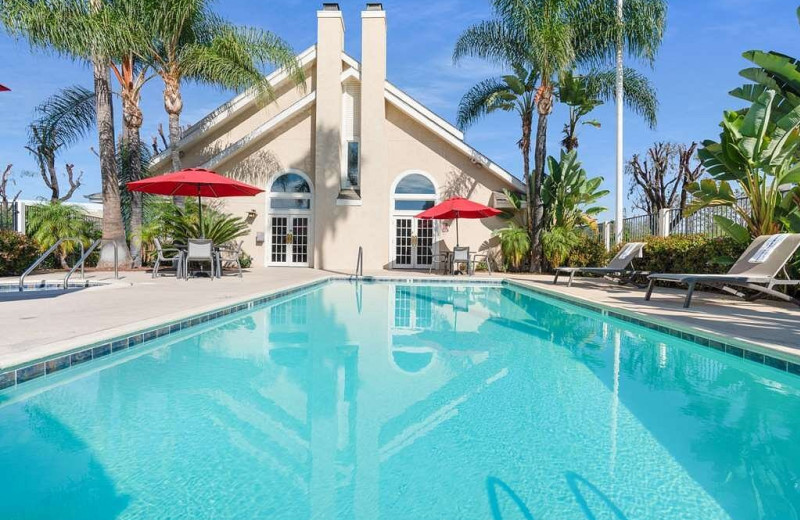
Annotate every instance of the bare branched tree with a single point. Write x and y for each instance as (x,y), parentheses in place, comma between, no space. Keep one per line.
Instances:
(44,147)
(661,177)
(5,182)
(157,149)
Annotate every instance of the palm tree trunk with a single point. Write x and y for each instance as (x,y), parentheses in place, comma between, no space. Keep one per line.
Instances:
(135,165)
(113,230)
(173,104)
(61,258)
(132,118)
(536,210)
(527,128)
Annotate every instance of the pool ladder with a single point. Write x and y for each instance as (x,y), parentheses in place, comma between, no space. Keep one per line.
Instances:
(80,263)
(359,264)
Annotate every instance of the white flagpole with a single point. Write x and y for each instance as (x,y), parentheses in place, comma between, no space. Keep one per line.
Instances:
(618,222)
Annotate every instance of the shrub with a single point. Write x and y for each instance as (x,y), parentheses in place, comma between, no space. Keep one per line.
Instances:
(17,252)
(48,222)
(557,243)
(172,224)
(515,244)
(587,252)
(689,254)
(245,260)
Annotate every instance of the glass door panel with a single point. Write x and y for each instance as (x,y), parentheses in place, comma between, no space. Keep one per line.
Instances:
(403,252)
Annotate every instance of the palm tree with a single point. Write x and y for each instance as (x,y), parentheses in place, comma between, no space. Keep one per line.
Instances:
(185,40)
(513,92)
(65,27)
(553,36)
(131,82)
(573,91)
(584,93)
(49,222)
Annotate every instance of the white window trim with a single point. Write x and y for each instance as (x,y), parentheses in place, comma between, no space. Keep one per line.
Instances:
(393,213)
(344,181)
(296,212)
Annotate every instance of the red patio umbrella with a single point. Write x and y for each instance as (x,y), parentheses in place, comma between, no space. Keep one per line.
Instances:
(3,88)
(456,208)
(194,182)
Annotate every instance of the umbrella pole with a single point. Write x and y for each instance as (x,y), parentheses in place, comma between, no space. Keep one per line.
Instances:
(200,212)
(456,231)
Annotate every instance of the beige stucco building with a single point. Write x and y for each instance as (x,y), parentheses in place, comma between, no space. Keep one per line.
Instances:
(347,159)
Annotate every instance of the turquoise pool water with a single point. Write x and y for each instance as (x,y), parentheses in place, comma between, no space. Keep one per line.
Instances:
(406,402)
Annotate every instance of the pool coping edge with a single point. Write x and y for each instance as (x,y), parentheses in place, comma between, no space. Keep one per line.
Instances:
(743,349)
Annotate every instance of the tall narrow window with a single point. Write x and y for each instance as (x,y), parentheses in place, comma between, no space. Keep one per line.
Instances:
(353,175)
(351,126)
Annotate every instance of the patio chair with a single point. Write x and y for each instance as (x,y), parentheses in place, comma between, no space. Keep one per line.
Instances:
(441,260)
(620,268)
(460,256)
(164,254)
(230,257)
(481,257)
(756,270)
(200,251)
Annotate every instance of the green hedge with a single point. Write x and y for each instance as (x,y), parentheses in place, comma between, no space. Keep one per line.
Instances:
(17,252)
(590,252)
(673,254)
(688,254)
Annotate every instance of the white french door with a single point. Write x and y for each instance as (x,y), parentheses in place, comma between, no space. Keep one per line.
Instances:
(413,243)
(289,240)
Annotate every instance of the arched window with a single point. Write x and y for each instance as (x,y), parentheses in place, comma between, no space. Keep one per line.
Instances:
(290,191)
(414,192)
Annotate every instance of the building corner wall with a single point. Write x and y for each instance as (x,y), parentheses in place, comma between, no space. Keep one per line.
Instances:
(375,175)
(328,129)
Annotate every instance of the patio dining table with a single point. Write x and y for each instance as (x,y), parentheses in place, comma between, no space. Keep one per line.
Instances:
(451,265)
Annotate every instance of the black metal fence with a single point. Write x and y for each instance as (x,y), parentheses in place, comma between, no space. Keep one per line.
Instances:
(701,222)
(9,216)
(636,228)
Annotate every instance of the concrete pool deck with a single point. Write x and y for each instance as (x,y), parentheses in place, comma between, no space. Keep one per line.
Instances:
(40,324)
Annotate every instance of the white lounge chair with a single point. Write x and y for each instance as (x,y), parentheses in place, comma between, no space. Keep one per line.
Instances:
(620,268)
(756,270)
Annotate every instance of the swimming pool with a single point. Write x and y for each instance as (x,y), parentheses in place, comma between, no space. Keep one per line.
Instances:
(392,400)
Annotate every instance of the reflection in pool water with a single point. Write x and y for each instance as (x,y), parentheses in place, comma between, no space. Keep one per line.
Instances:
(401,401)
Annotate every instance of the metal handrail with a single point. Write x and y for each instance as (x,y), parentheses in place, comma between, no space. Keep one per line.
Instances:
(47,253)
(82,261)
(360,263)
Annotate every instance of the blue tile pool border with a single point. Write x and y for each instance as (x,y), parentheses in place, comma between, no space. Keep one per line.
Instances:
(58,362)
(49,285)
(739,349)
(49,365)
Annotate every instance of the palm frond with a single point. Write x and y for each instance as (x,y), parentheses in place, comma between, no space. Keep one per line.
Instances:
(640,95)
(480,100)
(491,40)
(66,117)
(59,26)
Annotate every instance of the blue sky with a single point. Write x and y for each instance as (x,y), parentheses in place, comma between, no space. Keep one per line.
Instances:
(696,67)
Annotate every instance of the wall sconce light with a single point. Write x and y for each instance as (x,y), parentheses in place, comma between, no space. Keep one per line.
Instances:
(252,214)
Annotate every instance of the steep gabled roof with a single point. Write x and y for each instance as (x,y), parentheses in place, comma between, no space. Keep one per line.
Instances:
(234,106)
(393,94)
